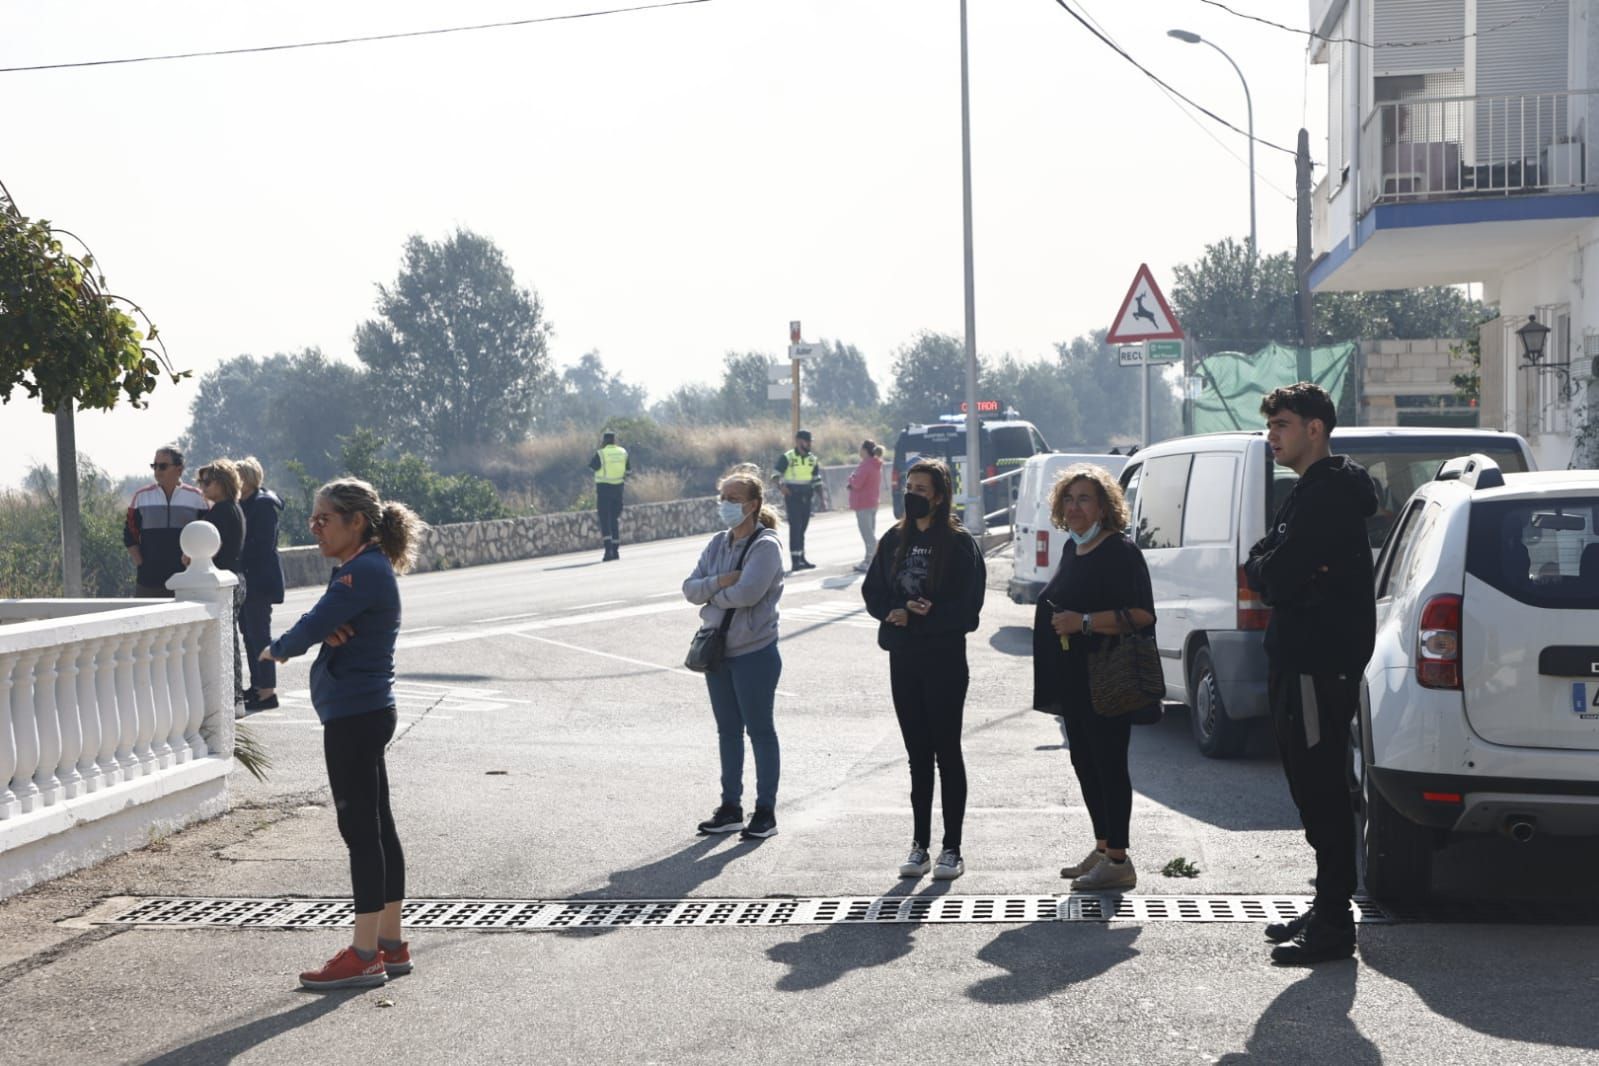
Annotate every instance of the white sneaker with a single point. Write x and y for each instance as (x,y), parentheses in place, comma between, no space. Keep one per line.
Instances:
(950,866)
(917,863)
(1108,876)
(1092,859)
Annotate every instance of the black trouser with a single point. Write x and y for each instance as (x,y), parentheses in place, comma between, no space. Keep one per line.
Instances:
(1099,756)
(798,505)
(1317,778)
(255,622)
(608,500)
(929,687)
(353,748)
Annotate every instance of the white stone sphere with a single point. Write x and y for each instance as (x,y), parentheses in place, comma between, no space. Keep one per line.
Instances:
(200,541)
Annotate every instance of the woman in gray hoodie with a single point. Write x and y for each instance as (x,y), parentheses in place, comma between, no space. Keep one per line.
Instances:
(741,570)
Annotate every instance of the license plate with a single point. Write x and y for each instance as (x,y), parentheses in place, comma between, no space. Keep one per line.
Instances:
(1580,705)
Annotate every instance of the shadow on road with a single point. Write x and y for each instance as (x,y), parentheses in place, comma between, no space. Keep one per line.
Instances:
(1012,640)
(1310,1019)
(224,1045)
(1046,957)
(676,875)
(820,958)
(457,678)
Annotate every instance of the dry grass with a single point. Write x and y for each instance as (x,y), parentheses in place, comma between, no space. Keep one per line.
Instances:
(655,486)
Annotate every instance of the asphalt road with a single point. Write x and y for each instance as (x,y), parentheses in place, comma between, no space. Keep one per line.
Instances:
(552,748)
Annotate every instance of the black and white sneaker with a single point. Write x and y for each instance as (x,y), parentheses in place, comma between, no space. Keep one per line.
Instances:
(917,863)
(763,824)
(950,865)
(724,819)
(1282,932)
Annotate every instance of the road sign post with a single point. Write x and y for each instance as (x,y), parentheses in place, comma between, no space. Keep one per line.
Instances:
(794,335)
(1145,316)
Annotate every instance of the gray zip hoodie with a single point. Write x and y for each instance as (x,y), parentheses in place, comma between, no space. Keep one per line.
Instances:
(753,598)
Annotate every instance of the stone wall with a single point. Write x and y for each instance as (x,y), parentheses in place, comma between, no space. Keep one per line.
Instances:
(450,547)
(1403,382)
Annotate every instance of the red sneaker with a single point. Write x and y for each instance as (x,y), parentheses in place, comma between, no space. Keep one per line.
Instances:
(397,963)
(346,970)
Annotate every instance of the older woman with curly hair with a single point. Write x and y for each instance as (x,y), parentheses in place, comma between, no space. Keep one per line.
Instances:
(1101,572)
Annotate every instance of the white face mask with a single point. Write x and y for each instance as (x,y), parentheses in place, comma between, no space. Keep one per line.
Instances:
(729,512)
(1085,536)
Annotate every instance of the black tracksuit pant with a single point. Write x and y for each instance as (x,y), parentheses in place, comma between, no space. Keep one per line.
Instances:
(929,687)
(1317,777)
(1099,757)
(359,779)
(608,501)
(798,505)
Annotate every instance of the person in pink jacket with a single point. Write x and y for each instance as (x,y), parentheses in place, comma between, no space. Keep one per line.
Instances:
(865,488)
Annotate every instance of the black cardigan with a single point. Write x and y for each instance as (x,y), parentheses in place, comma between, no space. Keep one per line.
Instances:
(957,600)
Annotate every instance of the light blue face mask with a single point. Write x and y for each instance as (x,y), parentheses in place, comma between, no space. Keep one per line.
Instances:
(1084,538)
(729,512)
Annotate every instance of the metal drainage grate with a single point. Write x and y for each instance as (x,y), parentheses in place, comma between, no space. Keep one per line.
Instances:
(557,915)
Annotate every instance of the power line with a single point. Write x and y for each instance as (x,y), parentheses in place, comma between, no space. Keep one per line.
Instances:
(365,39)
(1183,110)
(1313,35)
(1158,80)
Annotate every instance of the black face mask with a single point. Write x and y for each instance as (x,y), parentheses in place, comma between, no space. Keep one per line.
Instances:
(917,507)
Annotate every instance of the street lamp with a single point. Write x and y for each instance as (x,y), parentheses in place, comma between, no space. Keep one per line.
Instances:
(1194,38)
(1532,336)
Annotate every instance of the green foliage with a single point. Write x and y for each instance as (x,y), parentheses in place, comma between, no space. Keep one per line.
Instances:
(458,353)
(586,396)
(1228,301)
(687,405)
(279,408)
(745,376)
(439,499)
(30,536)
(62,336)
(1180,867)
(1468,383)
(929,378)
(837,381)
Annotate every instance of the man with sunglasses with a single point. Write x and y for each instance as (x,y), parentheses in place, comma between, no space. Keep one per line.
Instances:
(156,516)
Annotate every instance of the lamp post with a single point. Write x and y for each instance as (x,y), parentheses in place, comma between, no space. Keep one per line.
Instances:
(1194,38)
(974,426)
(1533,335)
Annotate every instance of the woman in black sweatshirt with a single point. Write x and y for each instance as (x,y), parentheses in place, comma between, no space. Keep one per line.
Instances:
(925,587)
(219,481)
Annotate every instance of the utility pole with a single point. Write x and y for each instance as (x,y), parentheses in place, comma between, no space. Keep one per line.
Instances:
(975,519)
(1304,306)
(794,378)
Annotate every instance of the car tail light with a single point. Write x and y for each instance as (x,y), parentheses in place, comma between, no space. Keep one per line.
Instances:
(1438,643)
(894,479)
(1252,611)
(1041,550)
(991,471)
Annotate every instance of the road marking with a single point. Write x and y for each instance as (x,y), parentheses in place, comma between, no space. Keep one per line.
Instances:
(660,595)
(422,629)
(592,606)
(625,659)
(506,617)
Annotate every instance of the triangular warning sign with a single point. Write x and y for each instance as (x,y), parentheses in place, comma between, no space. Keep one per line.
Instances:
(1145,315)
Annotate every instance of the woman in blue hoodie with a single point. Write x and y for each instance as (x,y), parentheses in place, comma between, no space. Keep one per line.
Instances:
(352,688)
(262,571)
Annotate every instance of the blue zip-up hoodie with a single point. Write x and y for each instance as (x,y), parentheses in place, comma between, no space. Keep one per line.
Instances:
(357,676)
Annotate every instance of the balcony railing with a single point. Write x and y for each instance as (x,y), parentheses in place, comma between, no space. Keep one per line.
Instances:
(1457,147)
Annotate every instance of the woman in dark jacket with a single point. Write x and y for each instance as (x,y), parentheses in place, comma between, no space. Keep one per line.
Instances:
(263,582)
(925,587)
(1101,571)
(219,482)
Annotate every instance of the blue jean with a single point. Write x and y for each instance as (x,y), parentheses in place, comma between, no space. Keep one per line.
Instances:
(255,622)
(742,694)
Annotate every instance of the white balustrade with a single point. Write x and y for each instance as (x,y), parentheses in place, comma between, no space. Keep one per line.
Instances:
(8,744)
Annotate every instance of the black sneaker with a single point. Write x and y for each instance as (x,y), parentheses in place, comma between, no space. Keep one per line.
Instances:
(1279,932)
(804,564)
(259,704)
(763,824)
(724,819)
(1317,942)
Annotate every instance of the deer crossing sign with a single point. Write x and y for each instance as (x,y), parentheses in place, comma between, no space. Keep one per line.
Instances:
(1144,314)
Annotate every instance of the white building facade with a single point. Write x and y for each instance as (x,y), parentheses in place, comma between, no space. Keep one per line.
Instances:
(1461,149)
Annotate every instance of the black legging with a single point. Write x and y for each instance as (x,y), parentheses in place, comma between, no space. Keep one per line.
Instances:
(1099,755)
(929,687)
(353,748)
(608,502)
(798,506)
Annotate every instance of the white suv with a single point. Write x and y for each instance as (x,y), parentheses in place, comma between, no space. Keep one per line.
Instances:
(1480,708)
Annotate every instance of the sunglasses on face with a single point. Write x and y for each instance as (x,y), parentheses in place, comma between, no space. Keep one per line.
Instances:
(165,466)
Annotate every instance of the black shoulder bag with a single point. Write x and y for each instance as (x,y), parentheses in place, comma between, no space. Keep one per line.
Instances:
(706,650)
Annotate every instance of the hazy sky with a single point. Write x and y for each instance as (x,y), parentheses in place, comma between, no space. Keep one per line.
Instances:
(673,183)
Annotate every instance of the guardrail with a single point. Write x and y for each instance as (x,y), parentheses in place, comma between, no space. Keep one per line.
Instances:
(1008,512)
(1465,146)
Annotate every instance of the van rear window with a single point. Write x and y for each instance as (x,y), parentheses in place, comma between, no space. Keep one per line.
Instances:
(1543,552)
(1399,467)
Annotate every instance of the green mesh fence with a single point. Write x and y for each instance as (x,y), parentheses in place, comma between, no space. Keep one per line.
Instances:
(1235,383)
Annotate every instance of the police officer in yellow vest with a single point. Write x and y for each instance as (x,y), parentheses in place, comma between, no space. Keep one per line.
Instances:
(798,474)
(610,465)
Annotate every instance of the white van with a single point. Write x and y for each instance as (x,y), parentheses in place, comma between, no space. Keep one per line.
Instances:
(1199,503)
(1035,540)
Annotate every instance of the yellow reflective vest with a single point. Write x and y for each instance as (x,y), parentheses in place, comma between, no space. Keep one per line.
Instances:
(613,465)
(800,469)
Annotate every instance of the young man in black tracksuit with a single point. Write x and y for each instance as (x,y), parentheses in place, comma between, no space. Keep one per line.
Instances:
(1313,568)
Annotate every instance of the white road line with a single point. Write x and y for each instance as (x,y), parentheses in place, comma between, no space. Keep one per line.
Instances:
(507,617)
(625,659)
(592,606)
(422,629)
(661,595)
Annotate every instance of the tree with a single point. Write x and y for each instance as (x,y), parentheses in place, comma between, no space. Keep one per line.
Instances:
(837,380)
(689,404)
(69,343)
(282,408)
(745,376)
(587,396)
(929,378)
(1106,395)
(458,354)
